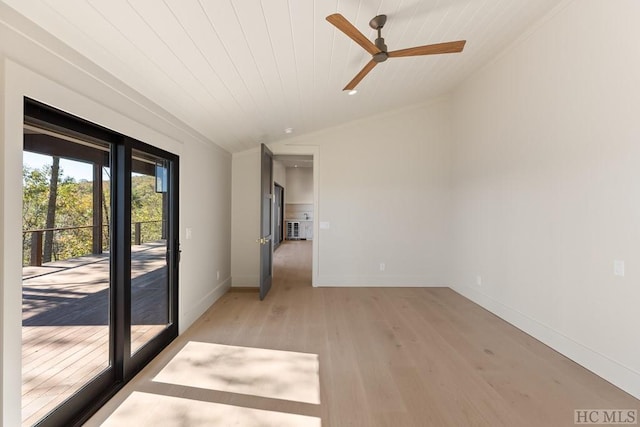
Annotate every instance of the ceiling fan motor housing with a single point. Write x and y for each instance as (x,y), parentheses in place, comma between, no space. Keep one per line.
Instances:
(380,57)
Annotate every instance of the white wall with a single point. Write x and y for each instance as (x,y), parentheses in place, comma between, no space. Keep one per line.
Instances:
(279,173)
(205,206)
(300,185)
(37,66)
(546,186)
(383,189)
(245,214)
(8,385)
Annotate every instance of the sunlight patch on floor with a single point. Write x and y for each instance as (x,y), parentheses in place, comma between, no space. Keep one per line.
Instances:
(145,409)
(260,372)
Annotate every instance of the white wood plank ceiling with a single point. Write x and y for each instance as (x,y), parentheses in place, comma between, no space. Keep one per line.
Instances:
(239,72)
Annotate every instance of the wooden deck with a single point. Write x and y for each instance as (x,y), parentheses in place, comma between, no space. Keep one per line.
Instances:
(65,330)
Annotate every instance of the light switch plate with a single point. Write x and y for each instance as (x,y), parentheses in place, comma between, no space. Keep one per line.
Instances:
(324,225)
(618,268)
(189,233)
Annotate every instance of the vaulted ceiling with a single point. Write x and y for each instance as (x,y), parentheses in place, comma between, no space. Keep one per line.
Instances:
(240,72)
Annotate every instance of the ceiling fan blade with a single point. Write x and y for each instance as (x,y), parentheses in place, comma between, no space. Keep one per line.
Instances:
(431,49)
(341,23)
(365,70)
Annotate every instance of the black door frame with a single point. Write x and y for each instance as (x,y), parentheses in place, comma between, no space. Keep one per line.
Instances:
(279,231)
(123,366)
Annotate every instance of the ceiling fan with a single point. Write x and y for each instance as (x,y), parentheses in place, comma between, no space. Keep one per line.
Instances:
(379,51)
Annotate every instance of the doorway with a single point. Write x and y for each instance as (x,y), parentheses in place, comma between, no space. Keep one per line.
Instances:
(100,262)
(295,174)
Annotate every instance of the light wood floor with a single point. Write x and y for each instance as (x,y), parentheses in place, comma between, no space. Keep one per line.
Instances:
(387,357)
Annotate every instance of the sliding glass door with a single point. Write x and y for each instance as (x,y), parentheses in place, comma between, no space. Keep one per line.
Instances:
(154,253)
(66,284)
(100,260)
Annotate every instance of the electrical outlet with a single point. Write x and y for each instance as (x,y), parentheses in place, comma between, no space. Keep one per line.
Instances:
(479,280)
(382,266)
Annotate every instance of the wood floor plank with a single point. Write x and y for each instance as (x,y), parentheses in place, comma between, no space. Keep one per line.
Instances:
(388,357)
(527,357)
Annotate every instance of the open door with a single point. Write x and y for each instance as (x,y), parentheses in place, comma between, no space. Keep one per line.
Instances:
(266,212)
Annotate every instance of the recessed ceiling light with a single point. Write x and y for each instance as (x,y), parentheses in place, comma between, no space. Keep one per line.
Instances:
(288,130)
(295,166)
(352,92)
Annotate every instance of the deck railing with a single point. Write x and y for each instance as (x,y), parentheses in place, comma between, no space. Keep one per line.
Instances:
(99,241)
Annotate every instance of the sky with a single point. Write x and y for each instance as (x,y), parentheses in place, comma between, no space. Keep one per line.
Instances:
(71,168)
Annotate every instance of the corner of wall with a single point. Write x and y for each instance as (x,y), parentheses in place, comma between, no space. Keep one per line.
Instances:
(191,314)
(10,236)
(2,322)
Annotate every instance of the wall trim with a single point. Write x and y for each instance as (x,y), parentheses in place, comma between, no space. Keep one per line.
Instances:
(2,241)
(190,316)
(378,281)
(249,281)
(314,151)
(616,373)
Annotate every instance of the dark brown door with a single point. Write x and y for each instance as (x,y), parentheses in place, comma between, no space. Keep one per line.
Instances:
(266,221)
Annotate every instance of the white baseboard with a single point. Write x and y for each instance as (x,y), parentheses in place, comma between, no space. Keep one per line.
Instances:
(601,365)
(245,281)
(190,316)
(377,281)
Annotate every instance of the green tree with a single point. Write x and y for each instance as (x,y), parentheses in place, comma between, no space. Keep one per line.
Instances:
(146,207)
(71,204)
(51,209)
(74,208)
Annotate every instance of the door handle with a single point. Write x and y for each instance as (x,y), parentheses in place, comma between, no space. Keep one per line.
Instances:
(178,253)
(177,258)
(263,240)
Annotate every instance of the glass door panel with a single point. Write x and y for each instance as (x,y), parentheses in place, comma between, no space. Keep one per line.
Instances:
(150,284)
(66,282)
(100,275)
